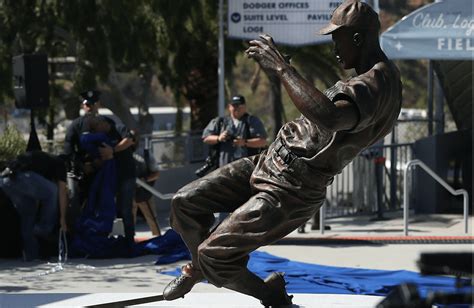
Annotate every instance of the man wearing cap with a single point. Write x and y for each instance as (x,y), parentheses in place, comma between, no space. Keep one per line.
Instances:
(272,194)
(90,105)
(238,135)
(122,152)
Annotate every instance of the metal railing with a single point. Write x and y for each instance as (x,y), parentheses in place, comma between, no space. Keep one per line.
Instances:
(371,184)
(153,190)
(352,192)
(175,151)
(417,162)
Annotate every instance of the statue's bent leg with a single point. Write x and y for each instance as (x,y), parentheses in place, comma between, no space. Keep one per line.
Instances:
(194,205)
(192,214)
(262,220)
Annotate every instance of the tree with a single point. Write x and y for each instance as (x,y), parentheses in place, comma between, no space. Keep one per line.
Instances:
(29,27)
(112,36)
(189,53)
(107,37)
(315,63)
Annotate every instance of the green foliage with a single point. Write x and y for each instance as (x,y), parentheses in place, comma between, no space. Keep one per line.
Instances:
(188,54)
(176,40)
(412,72)
(315,63)
(414,79)
(111,32)
(11,144)
(104,36)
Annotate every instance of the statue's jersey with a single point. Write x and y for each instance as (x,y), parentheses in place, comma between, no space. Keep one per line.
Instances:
(377,95)
(312,155)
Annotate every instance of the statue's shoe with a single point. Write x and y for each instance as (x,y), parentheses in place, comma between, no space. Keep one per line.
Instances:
(182,284)
(278,296)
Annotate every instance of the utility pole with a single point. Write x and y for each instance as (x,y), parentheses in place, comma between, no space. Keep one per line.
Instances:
(220,70)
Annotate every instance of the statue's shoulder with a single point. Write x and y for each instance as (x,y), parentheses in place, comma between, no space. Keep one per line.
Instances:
(387,67)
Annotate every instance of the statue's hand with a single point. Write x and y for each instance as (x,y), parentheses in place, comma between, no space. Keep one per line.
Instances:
(266,54)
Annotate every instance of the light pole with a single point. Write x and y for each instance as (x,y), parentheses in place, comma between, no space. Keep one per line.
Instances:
(220,69)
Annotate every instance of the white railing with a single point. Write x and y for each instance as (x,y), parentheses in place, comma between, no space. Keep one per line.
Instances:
(417,162)
(154,191)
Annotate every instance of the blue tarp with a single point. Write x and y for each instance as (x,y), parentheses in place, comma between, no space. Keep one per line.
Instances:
(321,279)
(169,247)
(304,277)
(439,31)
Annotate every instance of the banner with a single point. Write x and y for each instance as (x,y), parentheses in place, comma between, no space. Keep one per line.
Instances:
(290,22)
(439,31)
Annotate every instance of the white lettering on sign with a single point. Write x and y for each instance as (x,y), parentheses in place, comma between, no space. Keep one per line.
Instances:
(455,44)
(464,23)
(292,22)
(427,21)
(422,20)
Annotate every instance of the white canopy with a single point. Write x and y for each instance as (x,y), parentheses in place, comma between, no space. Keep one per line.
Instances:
(438,31)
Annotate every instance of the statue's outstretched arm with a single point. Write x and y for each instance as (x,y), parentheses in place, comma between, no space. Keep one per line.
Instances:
(311,102)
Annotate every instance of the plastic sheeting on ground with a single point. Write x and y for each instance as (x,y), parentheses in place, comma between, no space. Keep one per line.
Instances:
(320,279)
(306,277)
(169,247)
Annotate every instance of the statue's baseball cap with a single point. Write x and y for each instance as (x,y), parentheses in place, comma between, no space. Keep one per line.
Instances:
(237,100)
(353,14)
(90,96)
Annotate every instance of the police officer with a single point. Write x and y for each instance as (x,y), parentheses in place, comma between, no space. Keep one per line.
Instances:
(122,152)
(72,150)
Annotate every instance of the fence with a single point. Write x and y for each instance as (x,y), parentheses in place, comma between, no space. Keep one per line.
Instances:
(375,176)
(354,191)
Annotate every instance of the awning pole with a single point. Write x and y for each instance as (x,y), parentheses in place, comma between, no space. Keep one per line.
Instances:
(376,6)
(439,107)
(430,98)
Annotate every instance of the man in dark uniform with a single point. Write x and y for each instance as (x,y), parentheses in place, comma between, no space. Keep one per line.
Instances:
(122,152)
(238,134)
(72,150)
(270,195)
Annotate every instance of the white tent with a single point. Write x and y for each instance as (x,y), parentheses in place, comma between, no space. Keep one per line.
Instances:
(439,31)
(443,32)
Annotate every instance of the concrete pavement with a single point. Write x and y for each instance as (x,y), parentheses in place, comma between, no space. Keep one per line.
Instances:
(140,275)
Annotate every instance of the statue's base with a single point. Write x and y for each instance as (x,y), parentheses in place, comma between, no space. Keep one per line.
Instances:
(204,300)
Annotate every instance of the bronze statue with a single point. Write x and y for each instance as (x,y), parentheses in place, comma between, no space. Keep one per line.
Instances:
(271,194)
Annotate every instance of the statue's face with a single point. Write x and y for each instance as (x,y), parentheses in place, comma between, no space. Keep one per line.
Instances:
(345,50)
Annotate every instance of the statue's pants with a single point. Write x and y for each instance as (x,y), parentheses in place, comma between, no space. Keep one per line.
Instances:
(267,199)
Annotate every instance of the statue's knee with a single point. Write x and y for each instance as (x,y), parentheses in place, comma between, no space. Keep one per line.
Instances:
(202,251)
(179,199)
(207,266)
(206,262)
